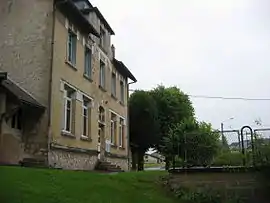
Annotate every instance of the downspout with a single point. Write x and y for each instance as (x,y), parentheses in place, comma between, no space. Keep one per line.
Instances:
(55,3)
(128,130)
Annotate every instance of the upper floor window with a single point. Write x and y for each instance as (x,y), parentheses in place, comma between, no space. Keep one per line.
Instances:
(69,94)
(101,114)
(113,85)
(122,91)
(86,115)
(88,62)
(71,47)
(102,37)
(113,128)
(102,74)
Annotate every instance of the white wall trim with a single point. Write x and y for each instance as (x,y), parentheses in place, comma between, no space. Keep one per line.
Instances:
(63,83)
(117,114)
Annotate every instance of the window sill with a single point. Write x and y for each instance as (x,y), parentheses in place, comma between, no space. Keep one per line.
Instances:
(71,65)
(114,97)
(88,78)
(68,134)
(102,88)
(85,138)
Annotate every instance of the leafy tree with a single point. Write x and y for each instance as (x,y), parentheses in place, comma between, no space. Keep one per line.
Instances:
(173,106)
(192,141)
(143,117)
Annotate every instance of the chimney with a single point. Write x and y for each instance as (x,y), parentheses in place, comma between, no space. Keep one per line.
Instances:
(113,51)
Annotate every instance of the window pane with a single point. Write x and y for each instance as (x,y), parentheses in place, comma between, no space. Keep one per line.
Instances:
(102,74)
(85,126)
(87,66)
(68,119)
(73,47)
(68,104)
(114,84)
(85,112)
(112,132)
(122,91)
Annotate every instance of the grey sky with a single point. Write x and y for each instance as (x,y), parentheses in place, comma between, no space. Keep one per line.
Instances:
(209,47)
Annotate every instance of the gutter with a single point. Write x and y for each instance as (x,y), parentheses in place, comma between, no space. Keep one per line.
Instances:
(49,140)
(128,130)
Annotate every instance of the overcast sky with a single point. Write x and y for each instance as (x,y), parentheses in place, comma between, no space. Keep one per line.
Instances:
(205,47)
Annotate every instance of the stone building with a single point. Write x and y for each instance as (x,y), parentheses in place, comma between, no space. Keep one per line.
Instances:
(63,94)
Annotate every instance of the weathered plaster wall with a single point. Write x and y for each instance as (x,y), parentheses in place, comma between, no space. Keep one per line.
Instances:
(25,53)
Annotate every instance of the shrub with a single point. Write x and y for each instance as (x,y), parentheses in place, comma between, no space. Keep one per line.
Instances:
(233,158)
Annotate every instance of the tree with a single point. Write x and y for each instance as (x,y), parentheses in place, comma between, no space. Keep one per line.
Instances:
(143,118)
(194,142)
(173,106)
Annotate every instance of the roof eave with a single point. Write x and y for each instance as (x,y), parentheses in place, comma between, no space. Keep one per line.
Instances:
(71,11)
(120,66)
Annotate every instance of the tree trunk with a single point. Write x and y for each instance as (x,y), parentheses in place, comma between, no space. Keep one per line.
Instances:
(134,160)
(141,160)
(173,161)
(167,163)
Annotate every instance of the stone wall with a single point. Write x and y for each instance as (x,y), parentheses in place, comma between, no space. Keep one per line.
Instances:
(228,184)
(123,163)
(71,160)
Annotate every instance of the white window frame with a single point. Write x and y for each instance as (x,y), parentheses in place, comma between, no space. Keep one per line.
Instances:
(102,37)
(121,132)
(113,89)
(72,38)
(102,74)
(87,109)
(113,128)
(67,99)
(88,69)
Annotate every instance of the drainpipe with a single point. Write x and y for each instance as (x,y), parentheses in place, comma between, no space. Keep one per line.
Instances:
(128,131)
(49,140)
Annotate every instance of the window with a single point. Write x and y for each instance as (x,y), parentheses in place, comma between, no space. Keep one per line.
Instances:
(113,128)
(88,62)
(86,116)
(16,120)
(121,132)
(72,47)
(102,74)
(102,37)
(101,115)
(122,91)
(113,84)
(68,110)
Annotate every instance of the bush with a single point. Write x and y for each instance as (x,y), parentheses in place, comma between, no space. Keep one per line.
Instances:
(233,158)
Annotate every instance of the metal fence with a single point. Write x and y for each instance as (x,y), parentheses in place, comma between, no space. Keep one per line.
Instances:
(243,147)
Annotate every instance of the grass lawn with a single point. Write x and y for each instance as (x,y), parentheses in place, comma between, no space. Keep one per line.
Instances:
(25,185)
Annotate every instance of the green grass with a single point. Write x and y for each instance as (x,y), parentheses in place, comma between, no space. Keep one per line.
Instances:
(25,185)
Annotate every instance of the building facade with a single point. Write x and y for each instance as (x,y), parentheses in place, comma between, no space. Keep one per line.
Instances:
(61,57)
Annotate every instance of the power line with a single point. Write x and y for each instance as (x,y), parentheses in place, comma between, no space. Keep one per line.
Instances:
(229,98)
(224,98)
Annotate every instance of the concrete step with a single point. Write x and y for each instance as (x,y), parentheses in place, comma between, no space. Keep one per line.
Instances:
(33,162)
(108,167)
